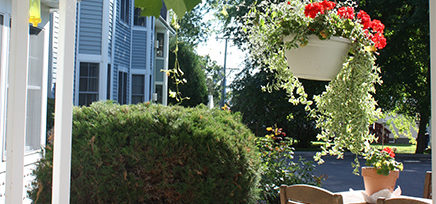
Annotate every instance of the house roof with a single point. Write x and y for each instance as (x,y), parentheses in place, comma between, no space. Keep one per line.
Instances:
(163,23)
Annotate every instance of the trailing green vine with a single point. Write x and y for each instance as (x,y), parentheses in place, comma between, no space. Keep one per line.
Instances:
(176,73)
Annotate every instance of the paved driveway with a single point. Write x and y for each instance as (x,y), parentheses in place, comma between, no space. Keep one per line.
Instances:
(339,176)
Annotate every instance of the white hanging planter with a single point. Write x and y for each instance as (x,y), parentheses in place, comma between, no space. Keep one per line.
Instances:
(318,60)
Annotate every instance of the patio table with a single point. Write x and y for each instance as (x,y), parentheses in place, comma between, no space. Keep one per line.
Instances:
(356,197)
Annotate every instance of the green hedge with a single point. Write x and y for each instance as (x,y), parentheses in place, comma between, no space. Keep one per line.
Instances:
(156,154)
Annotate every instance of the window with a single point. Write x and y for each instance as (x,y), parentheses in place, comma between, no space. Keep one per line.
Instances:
(150,87)
(160,44)
(2,100)
(108,87)
(34,89)
(138,90)
(163,11)
(159,91)
(122,87)
(88,83)
(124,10)
(1,36)
(139,20)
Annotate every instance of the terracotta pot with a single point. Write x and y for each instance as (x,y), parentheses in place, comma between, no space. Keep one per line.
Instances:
(318,60)
(375,182)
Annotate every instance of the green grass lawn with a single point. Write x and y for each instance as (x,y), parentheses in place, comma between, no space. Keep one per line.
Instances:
(399,148)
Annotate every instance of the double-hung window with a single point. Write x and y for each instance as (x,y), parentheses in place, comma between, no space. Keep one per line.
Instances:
(139,20)
(88,83)
(124,10)
(138,88)
(122,87)
(160,44)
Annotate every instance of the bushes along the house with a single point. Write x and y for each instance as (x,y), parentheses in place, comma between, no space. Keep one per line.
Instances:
(155,154)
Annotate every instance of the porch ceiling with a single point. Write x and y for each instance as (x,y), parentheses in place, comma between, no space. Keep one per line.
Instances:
(51,3)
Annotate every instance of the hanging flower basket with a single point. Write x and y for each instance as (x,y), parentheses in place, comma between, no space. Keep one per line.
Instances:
(319,59)
(327,41)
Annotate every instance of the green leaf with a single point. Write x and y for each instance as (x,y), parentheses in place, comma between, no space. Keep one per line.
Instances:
(149,7)
(153,7)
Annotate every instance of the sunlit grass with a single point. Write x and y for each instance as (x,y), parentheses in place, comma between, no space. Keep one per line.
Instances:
(399,148)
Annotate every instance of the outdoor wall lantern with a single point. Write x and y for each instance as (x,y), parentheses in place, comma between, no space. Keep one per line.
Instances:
(35,12)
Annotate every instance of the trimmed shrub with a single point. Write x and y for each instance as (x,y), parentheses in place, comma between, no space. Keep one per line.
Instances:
(156,154)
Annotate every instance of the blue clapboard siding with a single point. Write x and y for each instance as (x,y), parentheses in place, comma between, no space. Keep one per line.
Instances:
(139,49)
(122,44)
(90,27)
(122,50)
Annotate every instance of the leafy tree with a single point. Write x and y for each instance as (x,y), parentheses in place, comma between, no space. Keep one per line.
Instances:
(405,61)
(193,28)
(195,87)
(153,7)
(231,13)
(261,109)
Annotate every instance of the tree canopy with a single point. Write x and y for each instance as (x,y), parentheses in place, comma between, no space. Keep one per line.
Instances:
(405,61)
(195,87)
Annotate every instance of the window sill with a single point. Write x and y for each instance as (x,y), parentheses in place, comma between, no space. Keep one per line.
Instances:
(30,157)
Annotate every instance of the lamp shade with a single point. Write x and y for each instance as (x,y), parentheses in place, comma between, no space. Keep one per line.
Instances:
(35,12)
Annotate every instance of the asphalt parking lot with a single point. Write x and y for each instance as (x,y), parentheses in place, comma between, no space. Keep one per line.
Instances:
(339,175)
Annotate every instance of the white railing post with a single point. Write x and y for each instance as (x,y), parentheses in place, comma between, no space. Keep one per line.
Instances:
(16,102)
(433,88)
(64,103)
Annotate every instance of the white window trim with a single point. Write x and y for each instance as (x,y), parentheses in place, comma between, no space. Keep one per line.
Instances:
(85,59)
(164,45)
(77,85)
(140,28)
(3,84)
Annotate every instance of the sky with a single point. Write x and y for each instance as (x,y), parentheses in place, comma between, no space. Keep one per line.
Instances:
(215,48)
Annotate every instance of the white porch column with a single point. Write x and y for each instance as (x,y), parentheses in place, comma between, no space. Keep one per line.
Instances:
(64,103)
(16,104)
(433,89)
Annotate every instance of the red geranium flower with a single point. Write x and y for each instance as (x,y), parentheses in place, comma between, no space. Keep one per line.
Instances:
(289,3)
(346,12)
(311,10)
(379,40)
(328,5)
(389,151)
(365,19)
(377,26)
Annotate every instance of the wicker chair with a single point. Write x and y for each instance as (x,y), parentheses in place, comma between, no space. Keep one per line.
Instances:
(427,185)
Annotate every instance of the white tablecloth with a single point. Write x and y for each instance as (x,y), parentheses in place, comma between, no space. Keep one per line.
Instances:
(356,197)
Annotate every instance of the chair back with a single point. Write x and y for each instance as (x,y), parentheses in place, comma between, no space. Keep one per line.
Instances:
(427,185)
(400,200)
(301,193)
